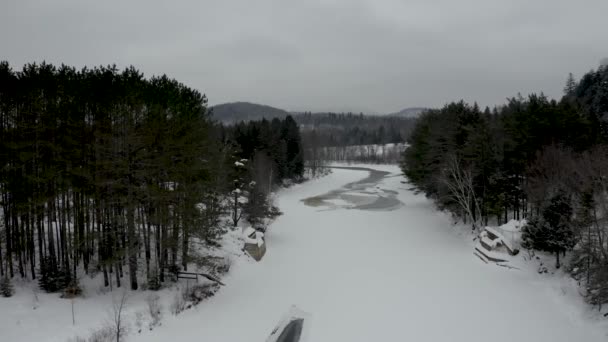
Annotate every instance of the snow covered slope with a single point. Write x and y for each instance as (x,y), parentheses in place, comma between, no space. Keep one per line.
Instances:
(400,274)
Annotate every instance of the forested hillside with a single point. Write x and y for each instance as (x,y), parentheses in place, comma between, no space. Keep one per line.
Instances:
(534,158)
(412,112)
(234,112)
(107,171)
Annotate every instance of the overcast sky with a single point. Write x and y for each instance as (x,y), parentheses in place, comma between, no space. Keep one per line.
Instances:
(367,55)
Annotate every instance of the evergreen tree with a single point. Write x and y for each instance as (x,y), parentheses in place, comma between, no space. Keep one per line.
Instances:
(6,287)
(98,165)
(52,279)
(552,231)
(290,133)
(570,87)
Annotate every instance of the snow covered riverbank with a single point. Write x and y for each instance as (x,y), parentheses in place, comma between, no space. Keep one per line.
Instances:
(402,273)
(368,275)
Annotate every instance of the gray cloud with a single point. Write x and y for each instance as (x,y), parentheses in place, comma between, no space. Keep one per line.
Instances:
(367,55)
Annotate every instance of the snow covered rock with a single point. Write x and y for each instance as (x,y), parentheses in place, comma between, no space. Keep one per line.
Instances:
(255,244)
(491,239)
(293,327)
(491,255)
(499,240)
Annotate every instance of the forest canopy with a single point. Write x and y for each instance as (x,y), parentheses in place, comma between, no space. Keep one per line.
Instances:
(103,169)
(534,158)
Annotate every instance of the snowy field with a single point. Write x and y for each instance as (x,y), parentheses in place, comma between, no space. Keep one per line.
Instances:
(369,261)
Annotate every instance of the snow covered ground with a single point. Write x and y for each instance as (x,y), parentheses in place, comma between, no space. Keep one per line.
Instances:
(381,275)
(364,273)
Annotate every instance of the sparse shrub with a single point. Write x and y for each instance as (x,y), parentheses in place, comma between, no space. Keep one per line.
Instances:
(213,264)
(104,334)
(200,292)
(102,289)
(52,278)
(6,287)
(72,290)
(155,310)
(93,270)
(173,271)
(154,282)
(35,301)
(117,323)
(274,212)
(222,266)
(178,305)
(139,320)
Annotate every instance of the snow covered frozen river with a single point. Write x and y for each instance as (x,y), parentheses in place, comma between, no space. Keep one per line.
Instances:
(396,272)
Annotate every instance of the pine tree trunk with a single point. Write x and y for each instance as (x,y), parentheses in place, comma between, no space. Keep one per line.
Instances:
(87,235)
(111,273)
(175,240)
(147,232)
(58,244)
(9,247)
(159,253)
(1,263)
(39,228)
(20,239)
(63,218)
(106,282)
(117,274)
(132,241)
(51,243)
(185,238)
(5,210)
(31,244)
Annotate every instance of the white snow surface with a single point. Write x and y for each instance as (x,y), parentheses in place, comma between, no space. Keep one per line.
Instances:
(513,226)
(401,275)
(404,274)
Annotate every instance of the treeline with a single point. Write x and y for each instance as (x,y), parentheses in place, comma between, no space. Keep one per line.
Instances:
(348,129)
(271,152)
(366,154)
(534,158)
(235,112)
(105,170)
(348,137)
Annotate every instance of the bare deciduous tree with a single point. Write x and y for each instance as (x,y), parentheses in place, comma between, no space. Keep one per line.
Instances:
(117,316)
(551,173)
(458,180)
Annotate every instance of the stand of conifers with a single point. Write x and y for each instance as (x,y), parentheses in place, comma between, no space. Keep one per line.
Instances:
(106,171)
(534,158)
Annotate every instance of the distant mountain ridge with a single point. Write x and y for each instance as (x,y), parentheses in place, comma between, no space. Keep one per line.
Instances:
(233,112)
(411,112)
(246,111)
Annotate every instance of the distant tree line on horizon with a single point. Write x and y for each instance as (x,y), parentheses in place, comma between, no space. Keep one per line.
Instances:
(106,171)
(330,129)
(327,136)
(348,129)
(348,137)
(534,158)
